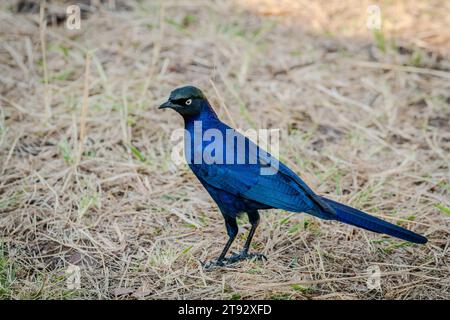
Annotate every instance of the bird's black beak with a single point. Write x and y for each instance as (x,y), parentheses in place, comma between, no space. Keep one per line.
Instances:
(166,105)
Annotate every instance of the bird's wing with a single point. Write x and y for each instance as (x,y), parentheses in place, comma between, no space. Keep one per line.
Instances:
(245,181)
(325,207)
(283,189)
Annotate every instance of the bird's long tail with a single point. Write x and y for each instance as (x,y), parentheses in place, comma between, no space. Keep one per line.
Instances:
(360,219)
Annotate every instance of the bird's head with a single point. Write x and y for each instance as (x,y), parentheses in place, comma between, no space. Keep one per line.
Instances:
(187,101)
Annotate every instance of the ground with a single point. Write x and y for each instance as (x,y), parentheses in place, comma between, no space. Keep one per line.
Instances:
(87,183)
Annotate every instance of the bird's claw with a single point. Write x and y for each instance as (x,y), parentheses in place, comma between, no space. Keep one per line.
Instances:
(245,255)
(235,257)
(213,263)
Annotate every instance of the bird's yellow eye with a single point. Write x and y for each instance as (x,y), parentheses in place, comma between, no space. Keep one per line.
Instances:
(188,101)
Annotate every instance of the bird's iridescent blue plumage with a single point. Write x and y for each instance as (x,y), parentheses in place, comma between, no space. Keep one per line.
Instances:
(242,188)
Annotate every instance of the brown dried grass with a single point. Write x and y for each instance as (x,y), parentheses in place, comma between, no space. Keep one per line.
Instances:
(365,126)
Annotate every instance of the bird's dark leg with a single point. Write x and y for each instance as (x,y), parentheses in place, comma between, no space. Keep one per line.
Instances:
(232,231)
(250,236)
(226,248)
(253,217)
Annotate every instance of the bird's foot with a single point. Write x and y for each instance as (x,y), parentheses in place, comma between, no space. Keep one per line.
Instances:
(213,263)
(235,257)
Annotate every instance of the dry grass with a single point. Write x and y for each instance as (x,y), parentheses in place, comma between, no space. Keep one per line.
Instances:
(85,171)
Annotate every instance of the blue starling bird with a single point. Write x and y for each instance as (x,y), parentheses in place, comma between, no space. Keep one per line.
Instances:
(239,183)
